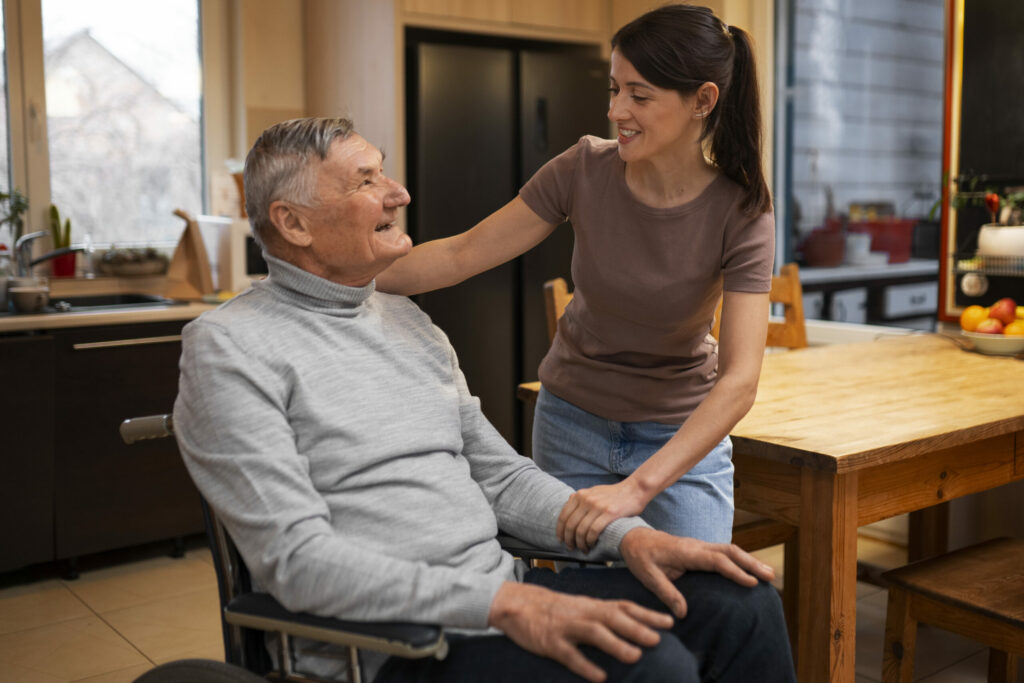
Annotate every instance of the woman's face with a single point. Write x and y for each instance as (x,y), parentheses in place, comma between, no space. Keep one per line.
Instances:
(652,122)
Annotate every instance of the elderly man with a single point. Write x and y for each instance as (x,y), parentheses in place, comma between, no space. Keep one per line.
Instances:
(331,429)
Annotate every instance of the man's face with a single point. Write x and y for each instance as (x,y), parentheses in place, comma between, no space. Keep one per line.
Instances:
(353,235)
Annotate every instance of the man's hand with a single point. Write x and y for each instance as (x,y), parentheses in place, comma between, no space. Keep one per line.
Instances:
(657,558)
(588,511)
(553,624)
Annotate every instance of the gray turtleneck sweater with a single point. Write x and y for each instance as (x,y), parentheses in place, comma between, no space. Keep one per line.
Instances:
(331,429)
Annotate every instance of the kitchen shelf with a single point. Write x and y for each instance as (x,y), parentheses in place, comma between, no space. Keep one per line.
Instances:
(1009,266)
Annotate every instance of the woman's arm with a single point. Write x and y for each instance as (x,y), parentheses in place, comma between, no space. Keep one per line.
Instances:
(740,351)
(505,234)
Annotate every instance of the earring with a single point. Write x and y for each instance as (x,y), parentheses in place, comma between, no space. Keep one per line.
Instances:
(701,114)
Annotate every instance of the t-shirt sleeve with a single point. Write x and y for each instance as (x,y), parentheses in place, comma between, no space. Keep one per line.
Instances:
(549,192)
(749,255)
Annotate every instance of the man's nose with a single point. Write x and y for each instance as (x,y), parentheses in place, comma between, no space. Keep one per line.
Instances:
(397,194)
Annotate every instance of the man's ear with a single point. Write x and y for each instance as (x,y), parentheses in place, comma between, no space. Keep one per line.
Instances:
(706,98)
(289,225)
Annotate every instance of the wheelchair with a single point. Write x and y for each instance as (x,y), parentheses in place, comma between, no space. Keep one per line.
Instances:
(248,615)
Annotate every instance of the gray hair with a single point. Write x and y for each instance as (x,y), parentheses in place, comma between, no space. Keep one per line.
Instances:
(278,166)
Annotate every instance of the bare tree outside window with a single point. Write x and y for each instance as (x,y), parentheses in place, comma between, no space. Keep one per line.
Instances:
(123,102)
(5,161)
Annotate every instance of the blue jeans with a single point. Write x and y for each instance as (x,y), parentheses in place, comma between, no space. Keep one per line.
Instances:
(585,450)
(731,634)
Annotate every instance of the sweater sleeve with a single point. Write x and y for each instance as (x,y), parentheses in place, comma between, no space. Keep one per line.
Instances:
(234,434)
(525,499)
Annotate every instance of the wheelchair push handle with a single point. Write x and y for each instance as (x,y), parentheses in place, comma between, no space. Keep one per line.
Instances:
(148,427)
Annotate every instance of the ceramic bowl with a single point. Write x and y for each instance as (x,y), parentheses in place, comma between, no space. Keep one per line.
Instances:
(996,344)
(29,299)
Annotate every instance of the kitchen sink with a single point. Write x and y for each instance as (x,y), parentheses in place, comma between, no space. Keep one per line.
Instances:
(70,304)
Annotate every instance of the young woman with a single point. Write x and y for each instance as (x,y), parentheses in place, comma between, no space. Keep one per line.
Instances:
(638,397)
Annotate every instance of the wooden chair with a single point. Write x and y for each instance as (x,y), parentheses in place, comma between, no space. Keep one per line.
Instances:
(977,592)
(751,532)
(790,332)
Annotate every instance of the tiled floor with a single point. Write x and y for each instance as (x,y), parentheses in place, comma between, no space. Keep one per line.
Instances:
(111,624)
(115,622)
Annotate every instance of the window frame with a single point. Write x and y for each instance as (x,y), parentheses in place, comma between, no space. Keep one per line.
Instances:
(26,99)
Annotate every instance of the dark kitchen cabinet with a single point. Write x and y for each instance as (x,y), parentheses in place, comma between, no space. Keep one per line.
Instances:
(107,494)
(483,114)
(26,456)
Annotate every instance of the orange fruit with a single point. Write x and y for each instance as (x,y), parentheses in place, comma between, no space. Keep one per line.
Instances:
(971,316)
(1014,329)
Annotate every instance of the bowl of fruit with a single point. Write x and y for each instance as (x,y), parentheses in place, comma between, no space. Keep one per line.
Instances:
(997,329)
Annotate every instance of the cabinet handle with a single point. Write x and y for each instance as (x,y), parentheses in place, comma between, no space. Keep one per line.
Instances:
(141,341)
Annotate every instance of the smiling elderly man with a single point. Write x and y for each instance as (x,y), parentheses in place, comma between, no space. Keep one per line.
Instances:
(331,429)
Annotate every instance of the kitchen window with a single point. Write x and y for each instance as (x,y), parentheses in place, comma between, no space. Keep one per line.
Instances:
(859,154)
(5,161)
(107,123)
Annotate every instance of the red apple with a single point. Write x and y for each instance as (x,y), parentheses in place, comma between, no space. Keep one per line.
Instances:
(1004,310)
(990,326)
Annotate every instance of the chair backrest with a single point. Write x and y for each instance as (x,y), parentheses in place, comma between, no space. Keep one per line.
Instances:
(790,332)
(556,297)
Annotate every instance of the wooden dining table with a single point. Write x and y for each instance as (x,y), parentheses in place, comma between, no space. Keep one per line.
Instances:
(845,435)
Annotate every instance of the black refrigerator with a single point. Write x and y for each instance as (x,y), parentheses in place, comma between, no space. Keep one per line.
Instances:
(482,116)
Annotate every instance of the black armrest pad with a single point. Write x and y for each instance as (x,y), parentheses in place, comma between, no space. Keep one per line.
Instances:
(526,551)
(264,606)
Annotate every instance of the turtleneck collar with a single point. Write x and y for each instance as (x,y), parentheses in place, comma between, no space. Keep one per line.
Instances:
(311,291)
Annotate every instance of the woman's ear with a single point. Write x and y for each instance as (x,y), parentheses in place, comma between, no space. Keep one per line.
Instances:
(705,99)
(290,225)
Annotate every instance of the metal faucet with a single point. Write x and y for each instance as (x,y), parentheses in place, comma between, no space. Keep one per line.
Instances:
(23,252)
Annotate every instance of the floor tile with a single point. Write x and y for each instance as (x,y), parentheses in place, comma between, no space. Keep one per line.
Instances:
(120,676)
(880,553)
(10,673)
(173,628)
(47,602)
(870,635)
(202,554)
(973,669)
(138,583)
(938,650)
(69,650)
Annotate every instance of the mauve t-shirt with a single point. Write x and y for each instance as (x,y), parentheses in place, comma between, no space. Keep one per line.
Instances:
(635,344)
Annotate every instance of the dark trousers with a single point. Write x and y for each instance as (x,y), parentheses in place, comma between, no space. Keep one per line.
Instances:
(730,634)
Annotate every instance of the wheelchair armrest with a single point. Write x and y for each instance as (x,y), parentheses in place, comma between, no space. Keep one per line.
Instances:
(263,612)
(525,551)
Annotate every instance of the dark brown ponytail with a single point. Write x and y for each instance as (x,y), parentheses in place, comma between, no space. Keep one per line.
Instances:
(736,136)
(681,47)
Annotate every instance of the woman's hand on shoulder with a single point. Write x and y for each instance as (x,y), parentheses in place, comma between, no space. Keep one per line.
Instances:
(508,232)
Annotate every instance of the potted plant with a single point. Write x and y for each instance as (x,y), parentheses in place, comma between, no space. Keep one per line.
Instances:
(63,265)
(13,206)
(1003,235)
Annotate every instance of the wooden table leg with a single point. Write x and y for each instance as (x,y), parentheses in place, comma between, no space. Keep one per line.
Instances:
(928,532)
(828,577)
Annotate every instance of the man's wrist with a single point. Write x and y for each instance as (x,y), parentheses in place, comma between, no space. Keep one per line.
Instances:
(505,603)
(633,538)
